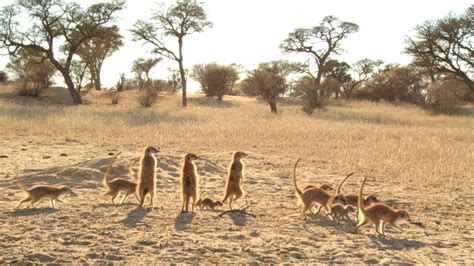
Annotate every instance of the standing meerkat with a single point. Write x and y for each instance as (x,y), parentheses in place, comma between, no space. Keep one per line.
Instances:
(39,192)
(314,195)
(378,214)
(189,182)
(117,185)
(233,187)
(147,175)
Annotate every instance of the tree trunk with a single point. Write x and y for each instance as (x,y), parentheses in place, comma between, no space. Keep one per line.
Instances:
(76,97)
(98,85)
(273,106)
(182,73)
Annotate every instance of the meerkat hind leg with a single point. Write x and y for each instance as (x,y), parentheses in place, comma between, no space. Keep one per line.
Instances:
(124,197)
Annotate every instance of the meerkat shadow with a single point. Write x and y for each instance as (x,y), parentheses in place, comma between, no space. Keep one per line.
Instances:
(183,220)
(396,243)
(34,211)
(134,217)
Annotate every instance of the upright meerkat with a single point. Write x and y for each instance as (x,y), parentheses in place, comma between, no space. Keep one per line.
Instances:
(233,187)
(39,192)
(117,185)
(147,175)
(189,182)
(378,214)
(314,195)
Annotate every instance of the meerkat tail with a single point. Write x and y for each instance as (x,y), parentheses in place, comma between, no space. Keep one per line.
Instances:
(105,181)
(338,191)
(294,178)
(20,184)
(360,202)
(198,201)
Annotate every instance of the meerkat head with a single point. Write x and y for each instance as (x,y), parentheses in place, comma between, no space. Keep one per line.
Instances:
(371,199)
(239,155)
(151,150)
(349,208)
(191,157)
(340,199)
(68,190)
(403,215)
(326,187)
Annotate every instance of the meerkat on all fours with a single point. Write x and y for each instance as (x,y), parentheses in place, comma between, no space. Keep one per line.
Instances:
(207,203)
(235,177)
(378,214)
(189,182)
(340,212)
(312,196)
(117,185)
(39,192)
(147,175)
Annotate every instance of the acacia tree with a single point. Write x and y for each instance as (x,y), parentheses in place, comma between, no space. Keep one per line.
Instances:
(446,46)
(363,69)
(94,51)
(215,79)
(142,67)
(184,18)
(268,81)
(320,42)
(55,23)
(336,73)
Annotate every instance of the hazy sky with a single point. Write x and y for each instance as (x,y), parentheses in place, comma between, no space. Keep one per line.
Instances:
(248,32)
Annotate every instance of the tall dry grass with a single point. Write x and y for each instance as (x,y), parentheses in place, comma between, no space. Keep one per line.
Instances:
(380,140)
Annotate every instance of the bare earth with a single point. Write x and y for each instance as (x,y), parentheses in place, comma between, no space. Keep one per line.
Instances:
(413,160)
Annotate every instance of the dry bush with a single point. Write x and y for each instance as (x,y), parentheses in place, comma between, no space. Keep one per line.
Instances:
(30,89)
(114,96)
(445,96)
(147,97)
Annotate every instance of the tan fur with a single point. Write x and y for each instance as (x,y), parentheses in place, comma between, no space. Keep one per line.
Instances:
(378,214)
(189,182)
(351,199)
(147,175)
(339,212)
(39,192)
(325,187)
(208,203)
(308,198)
(117,185)
(235,177)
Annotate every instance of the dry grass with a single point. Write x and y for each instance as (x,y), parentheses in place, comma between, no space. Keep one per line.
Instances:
(379,140)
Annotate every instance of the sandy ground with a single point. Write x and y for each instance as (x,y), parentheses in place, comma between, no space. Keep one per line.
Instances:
(89,229)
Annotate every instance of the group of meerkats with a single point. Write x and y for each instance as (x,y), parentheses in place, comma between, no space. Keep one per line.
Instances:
(336,205)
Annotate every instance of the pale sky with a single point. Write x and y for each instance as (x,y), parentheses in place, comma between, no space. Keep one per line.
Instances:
(248,32)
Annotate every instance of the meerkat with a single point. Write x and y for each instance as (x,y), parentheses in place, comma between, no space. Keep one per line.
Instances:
(39,192)
(352,199)
(378,214)
(147,175)
(189,182)
(117,185)
(326,187)
(339,212)
(208,203)
(308,198)
(233,187)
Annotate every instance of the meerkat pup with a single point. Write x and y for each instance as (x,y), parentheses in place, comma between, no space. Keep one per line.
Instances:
(340,212)
(308,198)
(39,192)
(208,203)
(233,187)
(147,175)
(189,182)
(378,214)
(117,185)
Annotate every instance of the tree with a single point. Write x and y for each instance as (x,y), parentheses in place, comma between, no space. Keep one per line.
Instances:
(364,69)
(268,81)
(79,73)
(55,23)
(446,46)
(184,18)
(336,73)
(94,51)
(215,80)
(32,70)
(142,67)
(320,42)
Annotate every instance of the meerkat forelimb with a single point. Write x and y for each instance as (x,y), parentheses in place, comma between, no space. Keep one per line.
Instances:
(147,175)
(308,198)
(234,183)
(39,192)
(189,182)
(378,214)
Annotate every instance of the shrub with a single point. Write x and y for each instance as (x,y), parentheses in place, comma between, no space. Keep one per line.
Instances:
(114,96)
(147,97)
(30,89)
(444,96)
(3,76)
